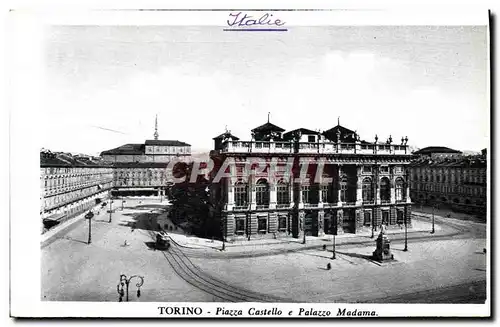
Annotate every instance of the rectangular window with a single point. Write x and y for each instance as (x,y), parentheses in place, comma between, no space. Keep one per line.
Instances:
(385,217)
(283,194)
(282,223)
(367,169)
(400,217)
(305,193)
(367,218)
(240,226)
(262,225)
(399,193)
(384,169)
(240,195)
(311,138)
(324,194)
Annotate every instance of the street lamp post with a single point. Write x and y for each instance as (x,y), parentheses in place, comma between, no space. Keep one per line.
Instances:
(89,216)
(334,254)
(304,229)
(225,233)
(406,233)
(224,226)
(122,287)
(334,232)
(373,225)
(432,232)
(110,209)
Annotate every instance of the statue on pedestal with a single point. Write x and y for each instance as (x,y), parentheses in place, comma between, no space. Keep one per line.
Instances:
(383,250)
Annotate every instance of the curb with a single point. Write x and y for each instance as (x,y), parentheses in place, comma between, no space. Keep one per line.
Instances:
(65,228)
(72,224)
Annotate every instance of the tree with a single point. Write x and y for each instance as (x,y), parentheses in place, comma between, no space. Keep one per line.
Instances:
(191,204)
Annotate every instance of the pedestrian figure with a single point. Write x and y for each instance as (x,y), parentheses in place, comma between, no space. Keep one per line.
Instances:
(484,250)
(328,266)
(324,247)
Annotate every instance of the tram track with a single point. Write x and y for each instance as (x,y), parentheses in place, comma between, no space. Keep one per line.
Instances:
(194,276)
(459,232)
(179,260)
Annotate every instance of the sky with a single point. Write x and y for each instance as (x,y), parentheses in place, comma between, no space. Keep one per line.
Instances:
(105,84)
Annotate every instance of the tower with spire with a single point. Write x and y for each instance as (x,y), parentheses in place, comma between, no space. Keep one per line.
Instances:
(156,128)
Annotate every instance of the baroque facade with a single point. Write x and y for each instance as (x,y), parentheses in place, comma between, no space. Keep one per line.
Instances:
(70,185)
(360,185)
(457,182)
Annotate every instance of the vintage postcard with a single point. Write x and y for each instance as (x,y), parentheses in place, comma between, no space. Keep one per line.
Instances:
(250,163)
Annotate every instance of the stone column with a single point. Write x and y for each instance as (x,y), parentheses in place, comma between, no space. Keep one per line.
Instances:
(229,225)
(340,222)
(230,193)
(253,193)
(302,223)
(359,186)
(320,193)
(321,224)
(408,216)
(272,193)
(300,196)
(407,179)
(339,177)
(376,184)
(393,189)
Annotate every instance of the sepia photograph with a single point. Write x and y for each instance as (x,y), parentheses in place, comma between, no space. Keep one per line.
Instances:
(267,163)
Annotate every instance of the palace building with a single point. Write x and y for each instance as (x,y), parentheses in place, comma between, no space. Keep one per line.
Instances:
(337,183)
(141,169)
(70,185)
(454,181)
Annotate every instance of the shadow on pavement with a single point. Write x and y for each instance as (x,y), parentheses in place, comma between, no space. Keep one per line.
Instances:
(149,206)
(72,239)
(316,255)
(356,255)
(144,221)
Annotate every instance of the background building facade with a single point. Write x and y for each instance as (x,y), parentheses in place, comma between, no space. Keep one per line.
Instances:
(362,186)
(457,182)
(141,169)
(70,185)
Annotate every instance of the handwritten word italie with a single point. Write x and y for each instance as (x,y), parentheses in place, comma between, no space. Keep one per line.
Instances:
(241,19)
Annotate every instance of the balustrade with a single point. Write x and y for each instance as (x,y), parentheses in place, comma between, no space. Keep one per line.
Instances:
(310,147)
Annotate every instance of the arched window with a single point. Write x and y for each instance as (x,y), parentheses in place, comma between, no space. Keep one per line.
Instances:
(262,192)
(343,189)
(367,190)
(385,189)
(400,189)
(283,193)
(241,194)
